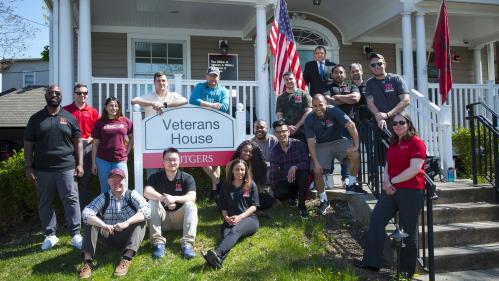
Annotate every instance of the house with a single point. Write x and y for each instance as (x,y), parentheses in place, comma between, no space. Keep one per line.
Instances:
(21,73)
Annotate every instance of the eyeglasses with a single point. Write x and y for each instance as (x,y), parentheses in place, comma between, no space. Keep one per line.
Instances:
(374,64)
(401,123)
(281,132)
(51,93)
(81,93)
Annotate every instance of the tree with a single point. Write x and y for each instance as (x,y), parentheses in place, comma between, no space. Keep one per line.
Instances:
(15,31)
(45,53)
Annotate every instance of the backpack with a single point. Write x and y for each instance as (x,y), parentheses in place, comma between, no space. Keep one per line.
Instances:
(128,202)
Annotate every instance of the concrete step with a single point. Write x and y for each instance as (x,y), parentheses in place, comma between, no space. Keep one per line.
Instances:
(491,274)
(448,193)
(464,212)
(456,234)
(467,257)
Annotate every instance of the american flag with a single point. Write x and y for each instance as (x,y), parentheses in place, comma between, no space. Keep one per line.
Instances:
(282,45)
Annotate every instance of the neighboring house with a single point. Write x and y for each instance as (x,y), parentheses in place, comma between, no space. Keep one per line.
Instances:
(15,110)
(25,73)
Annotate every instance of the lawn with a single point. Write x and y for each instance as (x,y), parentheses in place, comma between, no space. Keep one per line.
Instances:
(285,248)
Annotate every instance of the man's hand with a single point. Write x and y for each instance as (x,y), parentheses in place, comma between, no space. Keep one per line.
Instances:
(168,199)
(172,206)
(292,129)
(382,124)
(121,226)
(31,175)
(292,173)
(352,149)
(107,228)
(79,171)
(381,116)
(318,169)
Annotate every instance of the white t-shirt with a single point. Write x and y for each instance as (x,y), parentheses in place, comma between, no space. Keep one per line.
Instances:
(169,98)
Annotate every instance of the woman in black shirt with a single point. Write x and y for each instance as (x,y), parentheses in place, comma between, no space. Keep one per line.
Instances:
(238,202)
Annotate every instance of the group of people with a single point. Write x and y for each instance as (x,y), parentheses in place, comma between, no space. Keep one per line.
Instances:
(64,146)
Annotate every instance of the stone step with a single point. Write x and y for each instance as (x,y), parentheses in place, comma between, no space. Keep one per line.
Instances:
(491,274)
(464,212)
(467,257)
(459,194)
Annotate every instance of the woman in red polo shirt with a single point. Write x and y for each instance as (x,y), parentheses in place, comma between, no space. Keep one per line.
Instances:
(403,191)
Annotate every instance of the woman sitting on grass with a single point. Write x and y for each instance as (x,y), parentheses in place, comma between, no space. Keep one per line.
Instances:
(238,202)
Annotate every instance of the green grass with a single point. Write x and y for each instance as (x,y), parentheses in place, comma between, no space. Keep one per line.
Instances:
(284,248)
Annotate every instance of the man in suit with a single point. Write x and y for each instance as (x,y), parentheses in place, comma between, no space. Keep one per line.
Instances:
(317,72)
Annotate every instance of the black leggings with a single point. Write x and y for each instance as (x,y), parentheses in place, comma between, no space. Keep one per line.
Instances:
(232,234)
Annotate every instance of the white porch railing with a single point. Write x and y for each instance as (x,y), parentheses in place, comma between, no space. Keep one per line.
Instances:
(464,94)
(434,126)
(125,89)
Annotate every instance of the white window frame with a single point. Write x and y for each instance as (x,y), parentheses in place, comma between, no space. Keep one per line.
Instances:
(26,73)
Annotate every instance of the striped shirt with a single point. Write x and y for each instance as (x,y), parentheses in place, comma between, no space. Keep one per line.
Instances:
(118,210)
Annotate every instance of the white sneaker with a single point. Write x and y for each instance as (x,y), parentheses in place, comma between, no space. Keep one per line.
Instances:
(49,242)
(77,241)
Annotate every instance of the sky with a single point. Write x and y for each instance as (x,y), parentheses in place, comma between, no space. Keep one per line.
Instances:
(32,11)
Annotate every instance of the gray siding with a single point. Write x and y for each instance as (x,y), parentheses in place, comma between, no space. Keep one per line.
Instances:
(109,57)
(201,46)
(354,53)
(13,78)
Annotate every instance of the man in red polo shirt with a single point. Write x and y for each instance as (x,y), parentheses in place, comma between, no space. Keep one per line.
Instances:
(86,117)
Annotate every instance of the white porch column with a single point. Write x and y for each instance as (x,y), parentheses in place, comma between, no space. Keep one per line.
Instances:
(85,48)
(398,59)
(421,54)
(54,45)
(490,62)
(66,51)
(408,69)
(262,75)
(477,60)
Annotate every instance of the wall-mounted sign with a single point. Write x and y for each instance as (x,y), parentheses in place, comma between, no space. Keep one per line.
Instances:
(228,65)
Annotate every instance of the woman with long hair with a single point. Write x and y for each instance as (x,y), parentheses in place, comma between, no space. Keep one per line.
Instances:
(403,187)
(238,202)
(109,146)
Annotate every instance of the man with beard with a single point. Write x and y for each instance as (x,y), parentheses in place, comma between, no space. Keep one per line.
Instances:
(386,93)
(361,111)
(293,105)
(264,140)
(316,73)
(324,131)
(53,153)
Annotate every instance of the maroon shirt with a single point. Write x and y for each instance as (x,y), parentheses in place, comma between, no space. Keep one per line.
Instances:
(112,135)
(399,158)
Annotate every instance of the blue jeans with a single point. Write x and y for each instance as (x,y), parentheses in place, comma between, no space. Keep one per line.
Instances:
(103,169)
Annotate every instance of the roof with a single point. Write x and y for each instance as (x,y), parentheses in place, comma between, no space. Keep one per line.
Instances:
(17,107)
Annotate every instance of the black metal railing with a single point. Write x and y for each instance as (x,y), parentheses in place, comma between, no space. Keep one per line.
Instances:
(483,124)
(373,147)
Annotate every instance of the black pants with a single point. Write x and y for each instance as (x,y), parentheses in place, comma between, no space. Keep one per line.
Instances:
(290,190)
(232,234)
(409,203)
(84,187)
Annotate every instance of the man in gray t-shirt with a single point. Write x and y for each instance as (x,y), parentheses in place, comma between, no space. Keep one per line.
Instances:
(386,93)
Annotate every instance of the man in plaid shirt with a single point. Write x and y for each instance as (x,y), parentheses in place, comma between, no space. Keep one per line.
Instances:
(122,224)
(289,165)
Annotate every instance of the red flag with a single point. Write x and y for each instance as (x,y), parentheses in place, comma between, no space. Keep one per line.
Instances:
(441,48)
(282,45)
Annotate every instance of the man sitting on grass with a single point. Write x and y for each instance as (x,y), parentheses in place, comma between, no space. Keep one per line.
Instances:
(121,223)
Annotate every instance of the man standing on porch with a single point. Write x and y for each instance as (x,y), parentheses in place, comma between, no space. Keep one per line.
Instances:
(293,105)
(386,93)
(160,99)
(212,95)
(316,73)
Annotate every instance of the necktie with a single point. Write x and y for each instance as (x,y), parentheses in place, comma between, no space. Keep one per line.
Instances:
(321,67)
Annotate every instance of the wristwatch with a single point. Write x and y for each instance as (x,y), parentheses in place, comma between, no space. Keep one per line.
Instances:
(165,104)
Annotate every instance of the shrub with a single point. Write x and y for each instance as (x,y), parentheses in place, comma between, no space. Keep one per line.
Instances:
(461,141)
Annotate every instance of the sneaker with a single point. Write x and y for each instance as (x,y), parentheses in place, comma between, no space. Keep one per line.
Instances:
(292,202)
(86,270)
(303,213)
(77,241)
(323,208)
(158,251)
(122,268)
(187,251)
(213,259)
(355,189)
(49,242)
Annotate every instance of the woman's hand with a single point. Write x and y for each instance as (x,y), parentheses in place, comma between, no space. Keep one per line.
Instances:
(389,188)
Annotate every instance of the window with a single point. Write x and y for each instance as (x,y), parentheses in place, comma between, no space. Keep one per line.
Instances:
(308,38)
(28,79)
(151,57)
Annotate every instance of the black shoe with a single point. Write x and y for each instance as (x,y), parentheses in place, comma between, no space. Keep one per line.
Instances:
(292,202)
(303,213)
(361,265)
(323,208)
(355,189)
(212,259)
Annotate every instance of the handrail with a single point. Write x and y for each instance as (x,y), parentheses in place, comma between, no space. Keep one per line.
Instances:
(491,111)
(373,146)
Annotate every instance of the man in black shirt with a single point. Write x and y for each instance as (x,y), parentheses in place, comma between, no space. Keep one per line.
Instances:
(172,195)
(53,156)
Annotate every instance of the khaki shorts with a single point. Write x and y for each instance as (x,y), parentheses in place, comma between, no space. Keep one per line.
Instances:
(327,151)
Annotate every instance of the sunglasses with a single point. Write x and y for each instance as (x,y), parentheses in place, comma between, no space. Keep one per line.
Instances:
(379,63)
(51,93)
(81,93)
(401,123)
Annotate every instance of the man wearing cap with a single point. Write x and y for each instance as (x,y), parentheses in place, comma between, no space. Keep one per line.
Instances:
(116,219)
(212,95)
(386,93)
(316,74)
(86,116)
(161,98)
(53,158)
(172,195)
